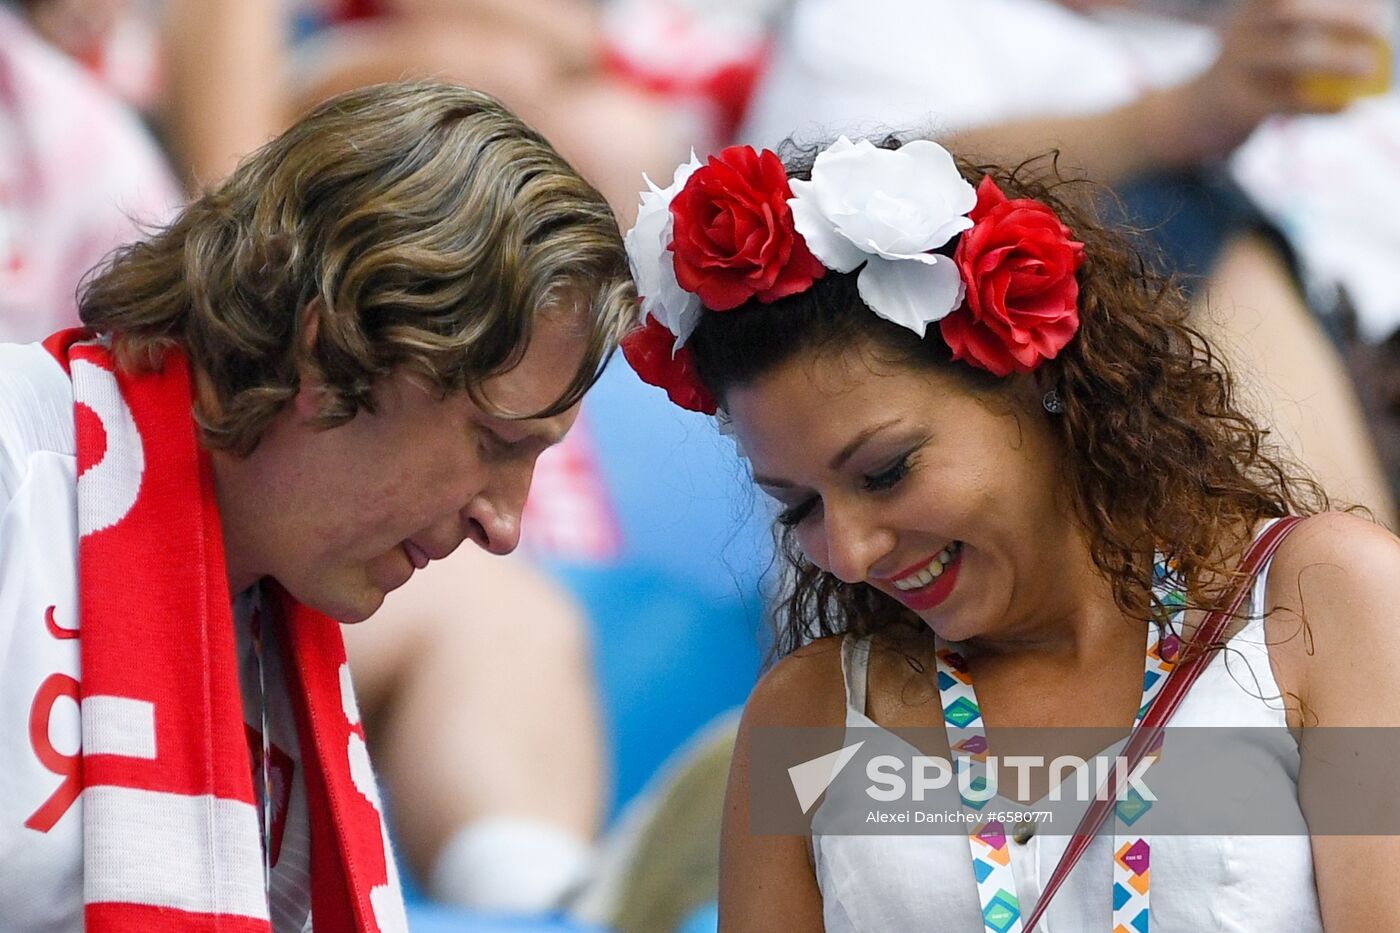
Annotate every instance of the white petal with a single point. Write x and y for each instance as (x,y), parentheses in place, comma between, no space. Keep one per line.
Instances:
(677,309)
(919,248)
(653,264)
(893,203)
(644,260)
(838,173)
(929,161)
(911,294)
(951,229)
(831,249)
(652,190)
(682,319)
(927,259)
(683,173)
(887,227)
(843,144)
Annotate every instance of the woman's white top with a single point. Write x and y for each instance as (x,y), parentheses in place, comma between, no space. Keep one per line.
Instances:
(1243,884)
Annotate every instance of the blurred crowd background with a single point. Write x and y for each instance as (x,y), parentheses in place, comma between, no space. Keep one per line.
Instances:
(553,729)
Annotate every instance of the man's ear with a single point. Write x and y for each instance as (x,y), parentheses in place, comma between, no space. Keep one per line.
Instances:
(310,386)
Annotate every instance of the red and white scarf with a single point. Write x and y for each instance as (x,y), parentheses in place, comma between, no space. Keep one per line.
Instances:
(170,822)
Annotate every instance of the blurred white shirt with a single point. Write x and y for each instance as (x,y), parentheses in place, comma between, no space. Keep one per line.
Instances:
(78,175)
(946,65)
(1331,184)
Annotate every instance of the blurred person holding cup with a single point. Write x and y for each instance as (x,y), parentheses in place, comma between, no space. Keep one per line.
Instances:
(1193,112)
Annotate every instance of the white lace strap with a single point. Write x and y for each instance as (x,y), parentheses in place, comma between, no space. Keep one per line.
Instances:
(1257,608)
(855,670)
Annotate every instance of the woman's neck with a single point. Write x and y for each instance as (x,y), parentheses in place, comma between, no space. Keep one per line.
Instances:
(1073,611)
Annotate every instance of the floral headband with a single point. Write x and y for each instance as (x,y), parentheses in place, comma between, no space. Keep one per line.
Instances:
(737,228)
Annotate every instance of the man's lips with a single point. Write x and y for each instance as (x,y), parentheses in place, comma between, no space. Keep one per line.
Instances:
(416,555)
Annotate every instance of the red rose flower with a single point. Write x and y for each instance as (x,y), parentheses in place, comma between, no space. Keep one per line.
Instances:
(733,235)
(648,350)
(1019,263)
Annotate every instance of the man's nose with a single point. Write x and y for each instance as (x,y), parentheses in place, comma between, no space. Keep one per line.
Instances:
(493,516)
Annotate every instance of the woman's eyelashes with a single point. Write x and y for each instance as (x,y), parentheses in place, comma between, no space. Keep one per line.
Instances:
(889,477)
(885,479)
(793,515)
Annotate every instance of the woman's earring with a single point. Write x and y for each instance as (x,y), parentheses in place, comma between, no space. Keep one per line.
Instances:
(1053,403)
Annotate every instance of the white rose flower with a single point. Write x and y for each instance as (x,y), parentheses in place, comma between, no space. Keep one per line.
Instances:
(888,208)
(653,265)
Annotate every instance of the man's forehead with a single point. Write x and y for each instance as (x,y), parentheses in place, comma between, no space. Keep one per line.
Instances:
(518,421)
(547,369)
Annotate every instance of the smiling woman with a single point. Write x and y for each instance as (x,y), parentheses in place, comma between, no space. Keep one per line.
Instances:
(916,470)
(1004,458)
(1136,387)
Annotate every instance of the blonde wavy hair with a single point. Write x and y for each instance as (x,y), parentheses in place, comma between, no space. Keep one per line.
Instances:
(423,224)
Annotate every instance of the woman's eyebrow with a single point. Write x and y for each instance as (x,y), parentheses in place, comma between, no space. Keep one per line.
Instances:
(849,451)
(838,461)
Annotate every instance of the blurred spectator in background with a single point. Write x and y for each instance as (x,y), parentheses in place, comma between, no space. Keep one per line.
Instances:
(482,822)
(78,175)
(541,56)
(1152,103)
(482,712)
(223,76)
(618,88)
(116,41)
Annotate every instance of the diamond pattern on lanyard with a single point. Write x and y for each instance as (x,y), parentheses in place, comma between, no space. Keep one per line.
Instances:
(988,844)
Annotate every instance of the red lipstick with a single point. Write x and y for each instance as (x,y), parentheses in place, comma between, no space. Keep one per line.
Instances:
(936,592)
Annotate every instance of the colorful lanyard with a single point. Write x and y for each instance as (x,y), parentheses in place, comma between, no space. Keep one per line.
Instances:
(991,855)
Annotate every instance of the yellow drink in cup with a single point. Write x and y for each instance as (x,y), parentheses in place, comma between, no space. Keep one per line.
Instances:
(1331,91)
(1327,91)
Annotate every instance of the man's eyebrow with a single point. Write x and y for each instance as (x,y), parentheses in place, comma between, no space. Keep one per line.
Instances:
(838,461)
(539,431)
(532,430)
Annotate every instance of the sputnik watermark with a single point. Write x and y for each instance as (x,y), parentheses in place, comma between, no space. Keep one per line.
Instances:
(931,773)
(811,778)
(1099,778)
(1197,781)
(1004,817)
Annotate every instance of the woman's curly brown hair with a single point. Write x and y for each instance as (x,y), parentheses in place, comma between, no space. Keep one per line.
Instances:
(1159,458)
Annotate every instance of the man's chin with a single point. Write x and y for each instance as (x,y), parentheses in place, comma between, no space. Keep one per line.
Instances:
(346,604)
(365,603)
(347,591)
(357,615)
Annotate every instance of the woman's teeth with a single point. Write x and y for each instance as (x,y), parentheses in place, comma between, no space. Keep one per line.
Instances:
(931,572)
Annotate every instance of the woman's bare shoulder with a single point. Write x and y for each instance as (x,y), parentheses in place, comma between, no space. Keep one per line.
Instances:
(1333,591)
(805,688)
(1337,559)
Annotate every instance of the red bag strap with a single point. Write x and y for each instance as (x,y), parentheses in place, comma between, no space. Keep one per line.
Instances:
(1149,731)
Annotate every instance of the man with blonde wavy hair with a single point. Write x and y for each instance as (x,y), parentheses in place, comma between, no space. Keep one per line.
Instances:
(334,368)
